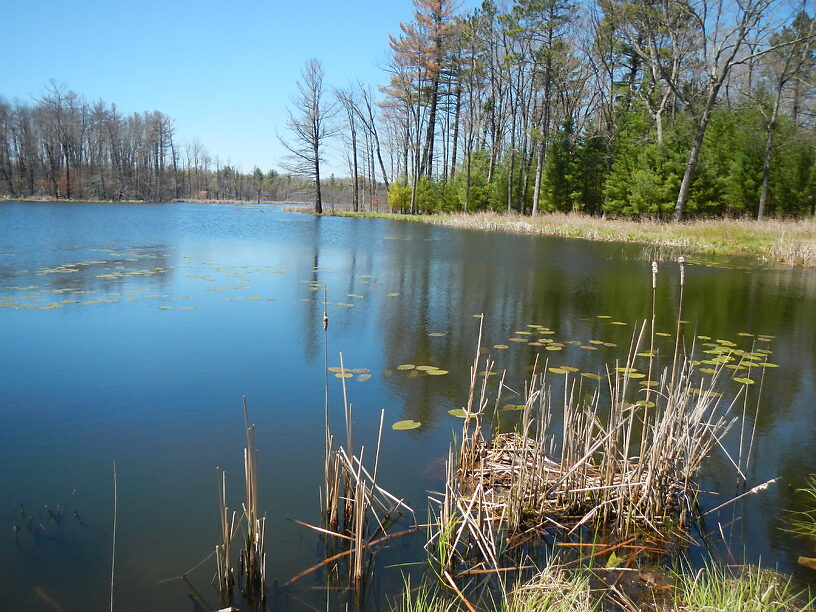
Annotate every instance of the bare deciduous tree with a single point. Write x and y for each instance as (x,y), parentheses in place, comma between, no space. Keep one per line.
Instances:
(311,125)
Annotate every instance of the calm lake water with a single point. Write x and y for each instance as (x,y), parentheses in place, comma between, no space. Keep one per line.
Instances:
(129,334)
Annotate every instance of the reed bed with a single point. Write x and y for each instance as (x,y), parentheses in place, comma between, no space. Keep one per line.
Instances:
(253,555)
(785,240)
(623,459)
(357,512)
(788,241)
(251,571)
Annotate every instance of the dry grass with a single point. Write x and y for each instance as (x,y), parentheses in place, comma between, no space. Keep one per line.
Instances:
(791,242)
(788,241)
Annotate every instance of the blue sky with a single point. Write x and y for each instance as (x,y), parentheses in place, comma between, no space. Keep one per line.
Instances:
(225,71)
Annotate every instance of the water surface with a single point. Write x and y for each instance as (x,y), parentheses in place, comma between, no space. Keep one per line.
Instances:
(129,334)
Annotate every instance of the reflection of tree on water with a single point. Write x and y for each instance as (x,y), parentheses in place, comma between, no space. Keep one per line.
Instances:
(312,323)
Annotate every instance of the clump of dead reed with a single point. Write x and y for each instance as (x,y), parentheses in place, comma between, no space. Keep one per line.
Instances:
(624,459)
(252,557)
(356,511)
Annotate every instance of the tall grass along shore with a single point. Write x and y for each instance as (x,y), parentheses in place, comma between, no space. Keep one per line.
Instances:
(790,242)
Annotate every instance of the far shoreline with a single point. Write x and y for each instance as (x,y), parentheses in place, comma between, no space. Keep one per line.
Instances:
(783,241)
(789,242)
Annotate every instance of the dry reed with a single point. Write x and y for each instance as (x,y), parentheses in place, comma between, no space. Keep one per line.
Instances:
(252,557)
(356,510)
(625,464)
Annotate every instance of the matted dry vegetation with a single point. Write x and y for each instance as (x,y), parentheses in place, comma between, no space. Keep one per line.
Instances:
(787,241)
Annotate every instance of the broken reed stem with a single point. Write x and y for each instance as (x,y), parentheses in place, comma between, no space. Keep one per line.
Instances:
(682,262)
(223,550)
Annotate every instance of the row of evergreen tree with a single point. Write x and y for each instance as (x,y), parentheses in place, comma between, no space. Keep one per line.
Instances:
(665,108)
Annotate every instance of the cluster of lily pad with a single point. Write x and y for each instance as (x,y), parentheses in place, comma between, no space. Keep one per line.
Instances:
(363,374)
(417,370)
(727,354)
(539,336)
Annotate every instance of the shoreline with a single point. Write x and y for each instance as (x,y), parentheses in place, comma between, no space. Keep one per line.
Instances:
(181,201)
(787,242)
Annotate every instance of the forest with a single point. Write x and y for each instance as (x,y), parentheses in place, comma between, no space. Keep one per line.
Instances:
(63,147)
(619,107)
(661,109)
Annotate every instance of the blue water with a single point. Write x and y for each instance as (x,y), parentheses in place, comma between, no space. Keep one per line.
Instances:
(130,332)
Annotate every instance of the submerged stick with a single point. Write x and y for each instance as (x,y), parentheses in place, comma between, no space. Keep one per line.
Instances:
(459,593)
(328,560)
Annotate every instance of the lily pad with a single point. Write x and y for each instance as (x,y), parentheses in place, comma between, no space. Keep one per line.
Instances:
(343,375)
(392,295)
(406,366)
(588,348)
(559,371)
(405,425)
(744,381)
(436,372)
(590,375)
(458,412)
(509,407)
(363,377)
(501,346)
(436,334)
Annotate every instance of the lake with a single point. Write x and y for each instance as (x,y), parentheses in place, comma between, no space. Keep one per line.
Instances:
(129,334)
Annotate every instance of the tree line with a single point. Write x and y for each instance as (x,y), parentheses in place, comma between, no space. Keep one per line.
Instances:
(663,108)
(64,147)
